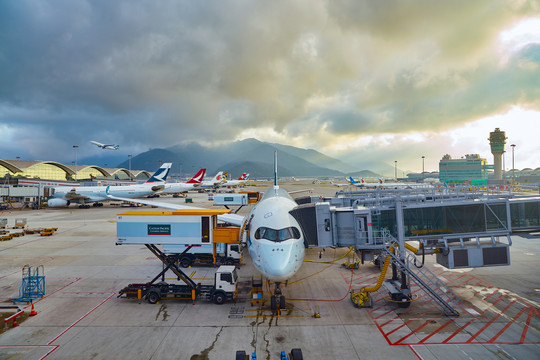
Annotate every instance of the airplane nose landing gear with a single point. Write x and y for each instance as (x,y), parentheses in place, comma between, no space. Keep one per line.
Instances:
(277,300)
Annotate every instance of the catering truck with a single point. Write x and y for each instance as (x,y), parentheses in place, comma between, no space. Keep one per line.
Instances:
(191,236)
(189,228)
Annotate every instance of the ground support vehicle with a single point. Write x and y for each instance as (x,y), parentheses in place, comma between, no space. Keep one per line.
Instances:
(224,287)
(190,236)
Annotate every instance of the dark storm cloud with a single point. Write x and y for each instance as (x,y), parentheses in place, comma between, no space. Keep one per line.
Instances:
(153,74)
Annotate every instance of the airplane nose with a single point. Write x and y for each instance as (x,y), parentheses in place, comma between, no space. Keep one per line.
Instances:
(278,264)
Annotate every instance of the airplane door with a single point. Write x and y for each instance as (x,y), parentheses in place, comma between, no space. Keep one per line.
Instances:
(205,229)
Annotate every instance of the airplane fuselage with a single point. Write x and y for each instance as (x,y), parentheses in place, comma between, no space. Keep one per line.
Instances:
(89,194)
(276,242)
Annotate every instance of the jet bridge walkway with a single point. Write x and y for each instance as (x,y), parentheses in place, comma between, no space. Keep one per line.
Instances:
(462,230)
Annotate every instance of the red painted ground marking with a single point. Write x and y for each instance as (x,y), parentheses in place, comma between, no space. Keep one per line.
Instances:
(507,325)
(526,327)
(81,318)
(490,322)
(435,332)
(411,320)
(458,331)
(384,314)
(412,332)
(492,304)
(490,295)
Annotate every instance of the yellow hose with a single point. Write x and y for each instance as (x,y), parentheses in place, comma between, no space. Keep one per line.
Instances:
(331,261)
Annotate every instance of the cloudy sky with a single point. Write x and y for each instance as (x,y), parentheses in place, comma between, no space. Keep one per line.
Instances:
(360,79)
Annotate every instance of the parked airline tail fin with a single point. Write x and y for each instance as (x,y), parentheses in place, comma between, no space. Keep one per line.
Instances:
(353,181)
(242,177)
(197,178)
(161,174)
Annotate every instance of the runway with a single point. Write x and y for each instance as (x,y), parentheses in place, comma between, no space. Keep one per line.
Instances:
(81,317)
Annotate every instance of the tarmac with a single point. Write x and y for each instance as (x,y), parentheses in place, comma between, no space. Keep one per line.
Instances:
(81,317)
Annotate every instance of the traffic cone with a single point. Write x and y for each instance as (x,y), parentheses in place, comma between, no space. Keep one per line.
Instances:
(33,312)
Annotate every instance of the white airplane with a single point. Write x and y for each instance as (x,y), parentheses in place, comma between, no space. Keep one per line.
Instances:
(105,146)
(82,195)
(214,183)
(179,187)
(240,181)
(274,237)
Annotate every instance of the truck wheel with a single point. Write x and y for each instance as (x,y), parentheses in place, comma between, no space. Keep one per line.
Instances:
(296,354)
(219,298)
(153,296)
(185,262)
(241,355)
(273,302)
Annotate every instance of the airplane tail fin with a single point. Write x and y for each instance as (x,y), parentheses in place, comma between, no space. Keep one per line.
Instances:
(352,180)
(242,177)
(161,174)
(198,177)
(218,177)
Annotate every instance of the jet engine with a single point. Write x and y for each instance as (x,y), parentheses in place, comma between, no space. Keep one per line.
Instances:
(57,202)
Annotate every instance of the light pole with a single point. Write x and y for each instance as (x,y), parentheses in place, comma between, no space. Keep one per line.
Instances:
(395,169)
(513,172)
(75,147)
(423,157)
(504,168)
(129,157)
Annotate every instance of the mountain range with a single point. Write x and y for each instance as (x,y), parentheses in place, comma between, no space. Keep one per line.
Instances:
(250,155)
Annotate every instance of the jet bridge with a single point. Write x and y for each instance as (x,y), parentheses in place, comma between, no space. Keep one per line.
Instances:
(480,228)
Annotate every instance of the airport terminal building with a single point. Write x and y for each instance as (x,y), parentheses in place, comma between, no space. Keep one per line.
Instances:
(52,170)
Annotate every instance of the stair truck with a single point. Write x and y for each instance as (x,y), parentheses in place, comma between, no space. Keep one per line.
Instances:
(180,227)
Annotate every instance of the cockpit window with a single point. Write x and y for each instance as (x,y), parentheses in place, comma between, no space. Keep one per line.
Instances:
(277,235)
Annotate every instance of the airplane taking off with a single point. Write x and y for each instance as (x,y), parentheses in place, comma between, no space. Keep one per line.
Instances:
(274,238)
(105,146)
(82,195)
(179,187)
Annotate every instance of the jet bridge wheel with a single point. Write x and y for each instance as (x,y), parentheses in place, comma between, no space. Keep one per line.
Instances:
(402,300)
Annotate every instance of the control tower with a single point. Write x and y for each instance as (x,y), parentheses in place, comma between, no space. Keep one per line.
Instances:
(497,139)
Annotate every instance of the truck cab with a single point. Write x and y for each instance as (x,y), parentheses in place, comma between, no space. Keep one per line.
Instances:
(225,284)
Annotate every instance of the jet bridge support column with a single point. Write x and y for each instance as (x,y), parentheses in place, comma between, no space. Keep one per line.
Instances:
(399,288)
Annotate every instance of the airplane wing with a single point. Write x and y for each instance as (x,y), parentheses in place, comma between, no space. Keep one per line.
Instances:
(233,219)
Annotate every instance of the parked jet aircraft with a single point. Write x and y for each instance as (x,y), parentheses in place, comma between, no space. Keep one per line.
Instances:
(179,187)
(82,195)
(214,183)
(240,181)
(274,237)
(105,146)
